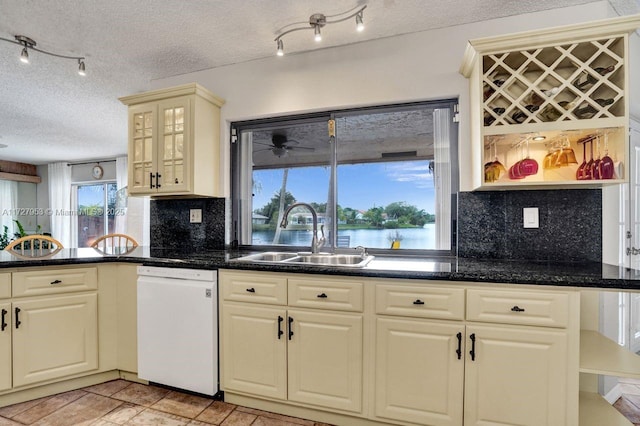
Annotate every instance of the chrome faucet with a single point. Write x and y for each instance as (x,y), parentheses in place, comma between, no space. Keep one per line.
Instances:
(315,243)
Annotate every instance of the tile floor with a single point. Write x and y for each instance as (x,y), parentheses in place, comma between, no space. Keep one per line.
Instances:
(120,402)
(629,403)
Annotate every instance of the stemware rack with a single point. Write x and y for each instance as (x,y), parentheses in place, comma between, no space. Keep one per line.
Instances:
(568,81)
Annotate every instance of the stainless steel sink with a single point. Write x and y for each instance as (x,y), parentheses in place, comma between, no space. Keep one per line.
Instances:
(270,256)
(321,259)
(353,260)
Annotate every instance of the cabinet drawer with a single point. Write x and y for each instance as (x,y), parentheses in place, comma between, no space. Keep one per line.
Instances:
(326,294)
(518,307)
(420,301)
(5,285)
(50,281)
(254,287)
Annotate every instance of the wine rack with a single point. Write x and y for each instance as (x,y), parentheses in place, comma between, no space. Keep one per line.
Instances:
(560,88)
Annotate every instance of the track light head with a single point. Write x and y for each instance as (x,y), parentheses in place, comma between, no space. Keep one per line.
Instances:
(280,45)
(317,36)
(359,23)
(81,70)
(24,56)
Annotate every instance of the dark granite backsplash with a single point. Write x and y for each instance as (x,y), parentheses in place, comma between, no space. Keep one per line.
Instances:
(171,229)
(490,225)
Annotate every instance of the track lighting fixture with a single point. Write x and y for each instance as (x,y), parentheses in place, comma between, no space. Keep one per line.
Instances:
(30,44)
(319,20)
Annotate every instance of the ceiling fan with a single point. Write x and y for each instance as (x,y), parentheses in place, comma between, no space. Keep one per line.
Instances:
(280,145)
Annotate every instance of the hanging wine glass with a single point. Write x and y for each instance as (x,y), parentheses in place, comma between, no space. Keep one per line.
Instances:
(595,166)
(606,164)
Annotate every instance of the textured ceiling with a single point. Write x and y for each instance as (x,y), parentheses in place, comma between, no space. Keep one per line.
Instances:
(48,113)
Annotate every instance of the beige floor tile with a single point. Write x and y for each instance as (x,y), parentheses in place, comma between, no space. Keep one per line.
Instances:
(15,409)
(198,423)
(7,422)
(216,412)
(123,413)
(102,422)
(108,388)
(182,404)
(83,411)
(48,406)
(275,416)
(238,418)
(141,394)
(269,421)
(153,418)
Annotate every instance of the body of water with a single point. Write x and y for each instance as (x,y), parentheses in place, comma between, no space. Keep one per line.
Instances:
(413,238)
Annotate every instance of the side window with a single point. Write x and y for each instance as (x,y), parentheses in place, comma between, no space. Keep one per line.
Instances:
(379,178)
(96,207)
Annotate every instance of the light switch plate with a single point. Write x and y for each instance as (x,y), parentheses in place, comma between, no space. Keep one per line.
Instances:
(530,217)
(195,215)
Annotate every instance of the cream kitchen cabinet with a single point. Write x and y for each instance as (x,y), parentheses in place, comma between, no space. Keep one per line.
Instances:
(546,105)
(5,331)
(174,142)
(54,324)
(310,356)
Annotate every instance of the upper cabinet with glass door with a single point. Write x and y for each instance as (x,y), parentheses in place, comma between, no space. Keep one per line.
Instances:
(551,107)
(174,142)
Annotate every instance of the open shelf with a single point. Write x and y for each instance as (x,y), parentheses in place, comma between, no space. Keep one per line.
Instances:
(596,411)
(600,355)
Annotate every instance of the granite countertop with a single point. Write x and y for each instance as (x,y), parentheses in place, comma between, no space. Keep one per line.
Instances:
(588,274)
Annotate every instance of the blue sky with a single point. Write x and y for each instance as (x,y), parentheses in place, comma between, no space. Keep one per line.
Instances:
(360,186)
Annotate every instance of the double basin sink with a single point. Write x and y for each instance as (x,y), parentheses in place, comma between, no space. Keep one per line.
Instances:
(306,258)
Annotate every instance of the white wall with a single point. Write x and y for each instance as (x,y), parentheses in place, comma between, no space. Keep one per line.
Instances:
(412,67)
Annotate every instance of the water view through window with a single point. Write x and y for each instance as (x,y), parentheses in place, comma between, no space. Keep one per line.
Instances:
(378,178)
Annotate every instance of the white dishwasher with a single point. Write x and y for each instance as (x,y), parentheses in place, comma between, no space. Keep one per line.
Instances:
(178,328)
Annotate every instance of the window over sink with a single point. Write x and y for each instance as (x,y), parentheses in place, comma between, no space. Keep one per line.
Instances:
(380,177)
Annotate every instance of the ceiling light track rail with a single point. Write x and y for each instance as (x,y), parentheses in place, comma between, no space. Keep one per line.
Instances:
(28,43)
(318,21)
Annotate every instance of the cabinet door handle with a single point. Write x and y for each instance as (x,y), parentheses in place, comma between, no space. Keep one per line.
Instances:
(280,332)
(151,185)
(322,296)
(418,302)
(517,309)
(472,352)
(459,350)
(55,282)
(290,328)
(18,322)
(158,176)
(251,290)
(4,320)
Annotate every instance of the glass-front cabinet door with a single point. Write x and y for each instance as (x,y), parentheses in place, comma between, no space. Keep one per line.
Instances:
(141,152)
(173,148)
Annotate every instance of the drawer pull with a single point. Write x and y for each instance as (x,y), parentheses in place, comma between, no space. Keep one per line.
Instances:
(418,302)
(4,319)
(251,290)
(517,309)
(55,282)
(18,318)
(322,296)
(472,352)
(459,350)
(280,332)
(290,328)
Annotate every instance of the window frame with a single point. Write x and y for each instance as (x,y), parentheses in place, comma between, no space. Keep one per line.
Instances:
(74,203)
(236,170)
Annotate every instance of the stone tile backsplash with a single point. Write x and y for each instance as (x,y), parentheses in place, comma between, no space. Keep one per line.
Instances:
(490,225)
(171,228)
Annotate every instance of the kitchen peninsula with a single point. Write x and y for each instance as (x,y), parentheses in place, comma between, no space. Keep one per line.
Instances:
(486,301)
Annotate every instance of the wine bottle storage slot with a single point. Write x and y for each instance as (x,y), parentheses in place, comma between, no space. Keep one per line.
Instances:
(586,156)
(569,82)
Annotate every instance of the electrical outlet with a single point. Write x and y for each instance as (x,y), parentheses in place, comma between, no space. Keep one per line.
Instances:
(195,215)
(530,217)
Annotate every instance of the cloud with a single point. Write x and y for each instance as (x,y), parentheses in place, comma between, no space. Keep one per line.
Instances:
(416,172)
